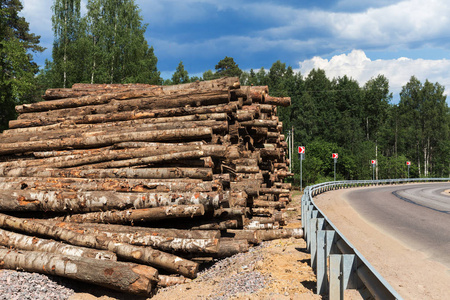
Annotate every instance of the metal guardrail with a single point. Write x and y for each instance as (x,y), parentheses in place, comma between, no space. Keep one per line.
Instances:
(337,263)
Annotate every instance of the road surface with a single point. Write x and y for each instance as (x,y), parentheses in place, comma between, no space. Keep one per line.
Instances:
(403,231)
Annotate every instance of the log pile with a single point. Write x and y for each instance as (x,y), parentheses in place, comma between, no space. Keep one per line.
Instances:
(141,182)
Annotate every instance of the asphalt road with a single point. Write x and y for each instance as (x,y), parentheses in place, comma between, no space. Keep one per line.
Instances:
(416,214)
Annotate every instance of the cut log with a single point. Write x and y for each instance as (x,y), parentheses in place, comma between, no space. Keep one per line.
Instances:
(217,126)
(166,281)
(139,254)
(23,126)
(141,161)
(108,184)
(280,101)
(229,247)
(147,173)
(136,230)
(75,202)
(226,83)
(23,242)
(105,140)
(121,276)
(168,101)
(137,215)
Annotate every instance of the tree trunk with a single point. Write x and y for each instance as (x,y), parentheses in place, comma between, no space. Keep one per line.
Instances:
(107,184)
(222,83)
(121,276)
(147,173)
(20,126)
(136,230)
(146,255)
(217,122)
(169,101)
(140,161)
(85,141)
(166,281)
(23,242)
(137,215)
(75,202)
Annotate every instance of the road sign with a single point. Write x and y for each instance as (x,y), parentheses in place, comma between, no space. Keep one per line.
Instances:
(335,155)
(301,149)
(408,163)
(374,162)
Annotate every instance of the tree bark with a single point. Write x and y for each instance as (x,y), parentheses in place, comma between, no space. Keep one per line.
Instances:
(136,231)
(203,98)
(78,89)
(76,202)
(23,242)
(20,126)
(166,281)
(85,141)
(140,161)
(121,276)
(108,184)
(218,126)
(146,255)
(147,173)
(137,215)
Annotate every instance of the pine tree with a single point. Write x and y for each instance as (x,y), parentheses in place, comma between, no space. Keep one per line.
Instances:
(17,69)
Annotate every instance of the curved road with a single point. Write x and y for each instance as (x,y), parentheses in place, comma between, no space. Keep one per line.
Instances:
(416,214)
(402,230)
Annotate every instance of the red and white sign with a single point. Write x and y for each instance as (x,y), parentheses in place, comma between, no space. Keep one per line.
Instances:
(374,162)
(334,155)
(408,163)
(301,149)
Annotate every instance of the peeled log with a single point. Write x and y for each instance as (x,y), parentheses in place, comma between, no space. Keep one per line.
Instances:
(139,254)
(137,215)
(59,201)
(121,276)
(23,242)
(105,140)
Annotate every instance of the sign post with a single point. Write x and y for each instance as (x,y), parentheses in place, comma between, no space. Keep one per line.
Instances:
(335,157)
(374,162)
(408,163)
(301,154)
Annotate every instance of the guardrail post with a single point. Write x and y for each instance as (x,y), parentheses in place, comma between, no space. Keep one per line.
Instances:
(313,242)
(342,269)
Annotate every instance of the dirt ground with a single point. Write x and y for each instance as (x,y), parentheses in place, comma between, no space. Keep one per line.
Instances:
(409,271)
(279,270)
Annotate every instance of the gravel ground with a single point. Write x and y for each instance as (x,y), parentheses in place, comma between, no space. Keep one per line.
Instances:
(23,285)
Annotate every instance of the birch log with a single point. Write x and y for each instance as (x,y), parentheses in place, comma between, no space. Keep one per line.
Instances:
(121,276)
(146,255)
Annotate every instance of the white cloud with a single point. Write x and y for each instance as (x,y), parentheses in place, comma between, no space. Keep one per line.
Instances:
(359,67)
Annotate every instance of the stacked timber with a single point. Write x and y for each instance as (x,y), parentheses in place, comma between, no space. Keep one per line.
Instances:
(141,183)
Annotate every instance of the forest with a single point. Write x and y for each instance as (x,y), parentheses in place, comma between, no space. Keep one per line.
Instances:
(359,121)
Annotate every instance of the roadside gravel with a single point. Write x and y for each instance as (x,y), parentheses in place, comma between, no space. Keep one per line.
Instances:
(23,285)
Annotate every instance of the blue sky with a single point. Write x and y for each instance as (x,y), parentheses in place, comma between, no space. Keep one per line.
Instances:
(360,39)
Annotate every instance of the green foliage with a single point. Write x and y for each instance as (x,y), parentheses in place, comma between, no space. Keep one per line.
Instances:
(17,69)
(227,67)
(107,45)
(180,75)
(361,124)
